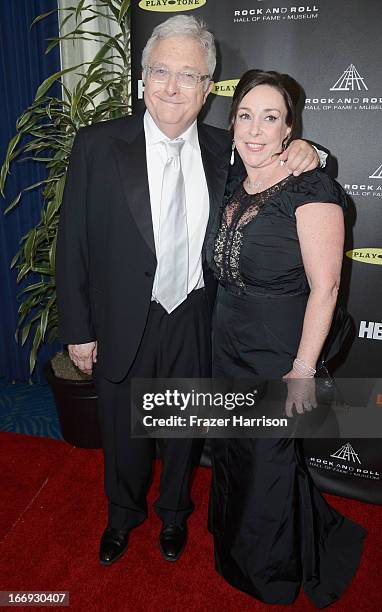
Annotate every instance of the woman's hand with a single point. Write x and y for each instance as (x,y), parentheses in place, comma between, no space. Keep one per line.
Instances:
(301,393)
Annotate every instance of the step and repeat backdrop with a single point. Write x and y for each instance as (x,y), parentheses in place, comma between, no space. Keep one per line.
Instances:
(334,50)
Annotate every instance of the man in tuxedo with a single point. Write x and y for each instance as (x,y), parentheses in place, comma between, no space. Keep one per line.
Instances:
(134,295)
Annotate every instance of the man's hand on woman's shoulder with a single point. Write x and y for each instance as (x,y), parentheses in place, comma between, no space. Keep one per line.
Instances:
(300,157)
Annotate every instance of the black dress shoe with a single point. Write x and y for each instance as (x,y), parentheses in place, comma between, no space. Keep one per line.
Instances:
(113,544)
(172,541)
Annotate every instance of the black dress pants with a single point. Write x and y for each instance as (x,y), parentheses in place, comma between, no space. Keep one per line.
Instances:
(175,345)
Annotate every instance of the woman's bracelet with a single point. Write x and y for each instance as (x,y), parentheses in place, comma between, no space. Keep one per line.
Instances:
(301,367)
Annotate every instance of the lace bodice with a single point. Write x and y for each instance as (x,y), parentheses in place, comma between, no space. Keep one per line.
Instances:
(241,208)
(254,247)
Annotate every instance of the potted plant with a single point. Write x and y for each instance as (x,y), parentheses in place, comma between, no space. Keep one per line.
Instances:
(44,133)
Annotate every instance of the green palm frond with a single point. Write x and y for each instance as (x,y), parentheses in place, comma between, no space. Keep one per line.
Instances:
(45,132)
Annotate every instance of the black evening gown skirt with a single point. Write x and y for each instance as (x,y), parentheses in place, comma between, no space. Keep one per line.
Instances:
(273,531)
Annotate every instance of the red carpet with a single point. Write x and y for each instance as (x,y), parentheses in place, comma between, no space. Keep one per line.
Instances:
(52,515)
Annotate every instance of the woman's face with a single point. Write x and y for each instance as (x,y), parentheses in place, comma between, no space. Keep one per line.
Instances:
(260,127)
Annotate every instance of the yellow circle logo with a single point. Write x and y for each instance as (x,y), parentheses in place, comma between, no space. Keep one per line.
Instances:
(225,88)
(366,255)
(171,6)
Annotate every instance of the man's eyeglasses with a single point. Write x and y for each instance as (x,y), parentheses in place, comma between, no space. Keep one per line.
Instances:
(186,79)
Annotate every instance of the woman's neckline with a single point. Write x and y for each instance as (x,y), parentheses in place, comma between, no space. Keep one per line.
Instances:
(278,183)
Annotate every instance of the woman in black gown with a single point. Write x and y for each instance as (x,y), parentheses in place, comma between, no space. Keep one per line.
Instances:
(277,254)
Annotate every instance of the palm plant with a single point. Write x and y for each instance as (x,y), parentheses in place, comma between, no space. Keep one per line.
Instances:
(45,133)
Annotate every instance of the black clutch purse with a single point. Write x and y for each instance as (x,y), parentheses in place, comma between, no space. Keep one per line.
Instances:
(341,329)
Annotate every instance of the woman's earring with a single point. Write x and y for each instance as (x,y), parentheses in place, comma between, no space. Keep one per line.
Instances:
(286,142)
(232,161)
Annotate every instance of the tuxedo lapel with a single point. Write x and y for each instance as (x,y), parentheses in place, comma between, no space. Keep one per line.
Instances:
(130,154)
(215,163)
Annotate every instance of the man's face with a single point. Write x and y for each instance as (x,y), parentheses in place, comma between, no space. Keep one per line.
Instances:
(172,107)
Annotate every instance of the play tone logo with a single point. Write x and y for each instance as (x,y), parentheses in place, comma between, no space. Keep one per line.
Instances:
(345,460)
(225,88)
(350,88)
(171,6)
(366,255)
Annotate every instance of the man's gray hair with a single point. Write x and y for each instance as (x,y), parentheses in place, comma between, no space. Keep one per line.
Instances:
(183,25)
